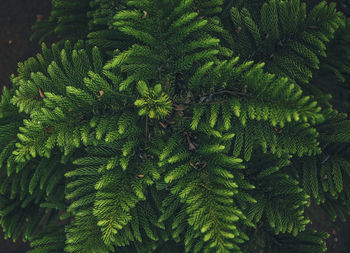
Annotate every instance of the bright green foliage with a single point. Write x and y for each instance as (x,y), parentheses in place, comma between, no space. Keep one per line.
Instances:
(154,102)
(178,126)
(59,104)
(206,192)
(81,193)
(161,50)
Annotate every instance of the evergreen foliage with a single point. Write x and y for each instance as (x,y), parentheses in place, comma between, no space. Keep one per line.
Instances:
(178,126)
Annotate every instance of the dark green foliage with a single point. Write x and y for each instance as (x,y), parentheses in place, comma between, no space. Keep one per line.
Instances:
(289,41)
(308,241)
(334,73)
(102,32)
(345,6)
(178,126)
(68,20)
(50,239)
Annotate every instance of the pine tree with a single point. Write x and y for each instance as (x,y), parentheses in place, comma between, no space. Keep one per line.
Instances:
(178,126)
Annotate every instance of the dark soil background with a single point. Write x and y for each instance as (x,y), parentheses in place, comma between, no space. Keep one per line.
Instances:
(16,19)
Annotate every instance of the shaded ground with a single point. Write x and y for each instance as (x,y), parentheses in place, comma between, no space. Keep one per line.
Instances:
(339,239)
(16,19)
